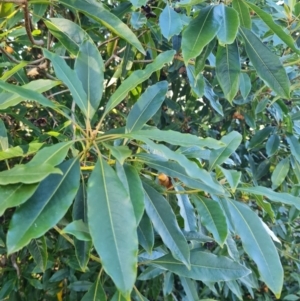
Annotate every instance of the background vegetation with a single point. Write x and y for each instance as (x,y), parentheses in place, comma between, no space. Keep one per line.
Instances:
(149,150)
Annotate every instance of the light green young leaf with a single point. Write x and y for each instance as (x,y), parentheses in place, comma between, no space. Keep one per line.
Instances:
(230,22)
(228,69)
(96,11)
(138,77)
(20,151)
(165,223)
(89,68)
(258,244)
(266,63)
(112,226)
(204,267)
(70,79)
(212,217)
(203,29)
(147,105)
(45,208)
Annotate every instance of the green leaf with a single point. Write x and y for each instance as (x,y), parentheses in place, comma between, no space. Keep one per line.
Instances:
(25,93)
(278,30)
(96,11)
(174,170)
(283,197)
(38,250)
(112,226)
(243,11)
(280,172)
(229,23)
(170,22)
(212,217)
(258,245)
(27,174)
(45,208)
(70,79)
(15,195)
(259,137)
(165,224)
(12,98)
(138,77)
(174,138)
(190,288)
(68,33)
(233,177)
(201,59)
(204,267)
(148,104)
(89,68)
(3,137)
(245,85)
(218,156)
(79,229)
(203,29)
(186,210)
(266,63)
(9,73)
(121,153)
(228,70)
(133,185)
(20,150)
(197,82)
(145,233)
(95,292)
(294,146)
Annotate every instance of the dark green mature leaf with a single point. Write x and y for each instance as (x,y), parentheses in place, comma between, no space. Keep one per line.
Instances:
(258,244)
(259,137)
(148,104)
(27,174)
(278,30)
(228,69)
(45,208)
(26,93)
(97,12)
(245,85)
(89,68)
(12,98)
(243,11)
(15,195)
(294,146)
(280,172)
(229,23)
(112,226)
(138,77)
(266,63)
(212,217)
(170,22)
(165,224)
(95,292)
(204,267)
(145,233)
(38,250)
(203,29)
(68,33)
(200,60)
(282,197)
(70,79)
(175,170)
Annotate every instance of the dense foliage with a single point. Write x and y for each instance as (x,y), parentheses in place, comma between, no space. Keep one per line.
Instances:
(149,150)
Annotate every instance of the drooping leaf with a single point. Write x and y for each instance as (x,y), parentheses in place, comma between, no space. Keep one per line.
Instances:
(204,267)
(197,82)
(190,288)
(70,79)
(294,146)
(45,208)
(3,137)
(79,229)
(95,292)
(89,68)
(112,226)
(245,84)
(145,233)
(229,23)
(97,12)
(212,217)
(266,63)
(228,69)
(259,137)
(164,221)
(170,22)
(148,104)
(138,77)
(243,11)
(203,29)
(27,174)
(232,176)
(201,59)
(280,172)
(38,250)
(258,244)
